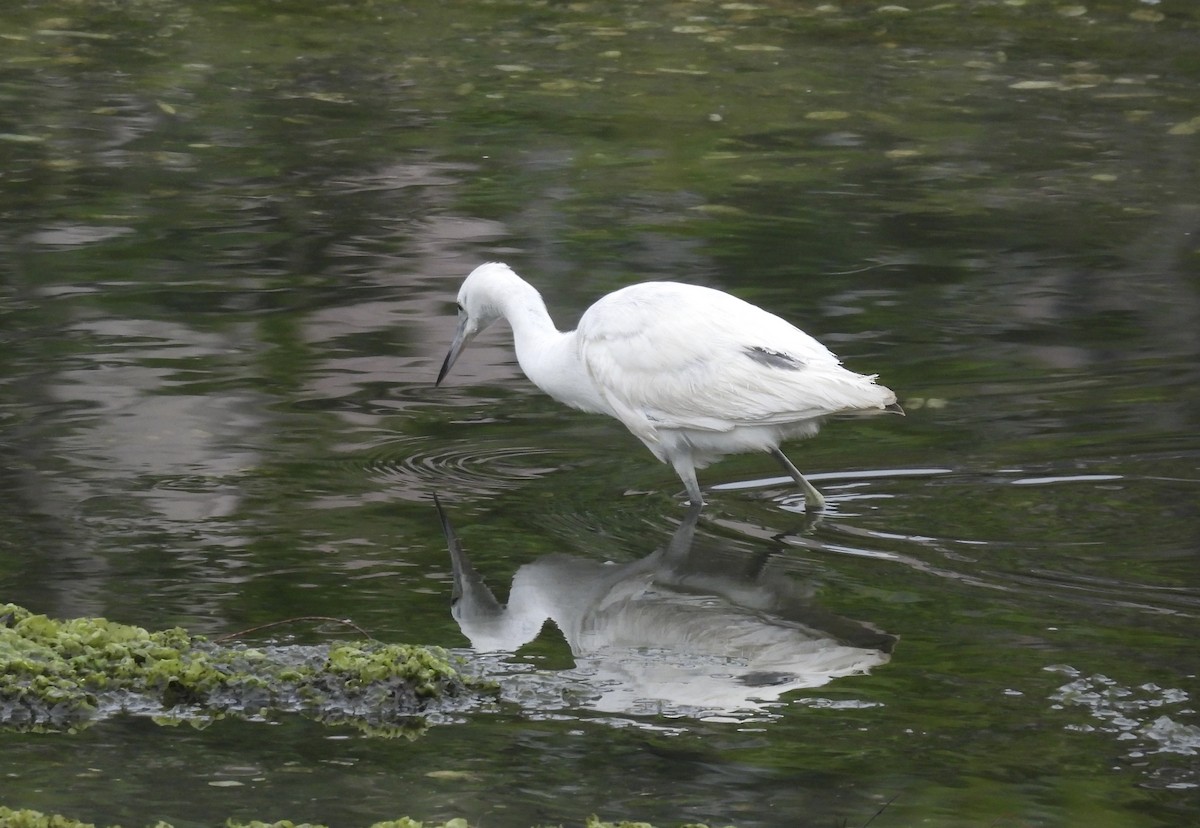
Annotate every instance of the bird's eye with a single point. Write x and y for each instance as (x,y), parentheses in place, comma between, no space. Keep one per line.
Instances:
(461,309)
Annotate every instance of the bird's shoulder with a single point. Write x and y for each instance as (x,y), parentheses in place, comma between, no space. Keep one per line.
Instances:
(645,304)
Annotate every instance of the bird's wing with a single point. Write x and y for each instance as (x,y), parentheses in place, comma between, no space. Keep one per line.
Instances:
(665,355)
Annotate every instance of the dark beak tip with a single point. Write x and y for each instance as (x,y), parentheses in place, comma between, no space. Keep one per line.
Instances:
(461,338)
(444,371)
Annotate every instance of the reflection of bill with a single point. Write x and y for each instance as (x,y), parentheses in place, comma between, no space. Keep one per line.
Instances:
(672,632)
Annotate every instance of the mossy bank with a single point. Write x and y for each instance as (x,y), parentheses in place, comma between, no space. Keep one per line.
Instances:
(62,675)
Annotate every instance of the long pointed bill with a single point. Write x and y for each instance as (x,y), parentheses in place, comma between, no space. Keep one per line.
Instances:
(480,603)
(457,555)
(456,347)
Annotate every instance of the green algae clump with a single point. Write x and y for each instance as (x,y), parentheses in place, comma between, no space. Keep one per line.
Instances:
(61,675)
(26,818)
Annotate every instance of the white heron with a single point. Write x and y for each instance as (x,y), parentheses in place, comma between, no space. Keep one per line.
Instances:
(693,372)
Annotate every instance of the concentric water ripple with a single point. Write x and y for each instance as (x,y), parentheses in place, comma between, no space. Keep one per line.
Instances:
(415,468)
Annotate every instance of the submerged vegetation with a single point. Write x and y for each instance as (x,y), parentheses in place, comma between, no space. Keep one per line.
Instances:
(35,819)
(62,675)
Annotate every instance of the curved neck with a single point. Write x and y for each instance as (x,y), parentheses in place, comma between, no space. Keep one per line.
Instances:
(526,313)
(551,361)
(549,357)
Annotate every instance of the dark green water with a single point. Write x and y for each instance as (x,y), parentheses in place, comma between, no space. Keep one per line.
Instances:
(231,237)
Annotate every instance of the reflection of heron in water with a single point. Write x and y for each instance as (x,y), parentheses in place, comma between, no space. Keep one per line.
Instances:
(675,631)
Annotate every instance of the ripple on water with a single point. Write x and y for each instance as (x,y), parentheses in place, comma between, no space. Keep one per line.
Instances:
(413,468)
(1066,532)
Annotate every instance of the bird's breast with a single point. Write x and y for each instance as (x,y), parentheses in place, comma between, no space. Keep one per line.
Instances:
(554,366)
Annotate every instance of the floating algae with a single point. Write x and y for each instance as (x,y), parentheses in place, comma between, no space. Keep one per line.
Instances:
(62,675)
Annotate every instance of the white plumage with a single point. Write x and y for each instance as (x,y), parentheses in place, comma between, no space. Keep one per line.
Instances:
(693,372)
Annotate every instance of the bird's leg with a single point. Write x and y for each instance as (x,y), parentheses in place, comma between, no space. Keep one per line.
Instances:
(812,498)
(687,473)
(674,558)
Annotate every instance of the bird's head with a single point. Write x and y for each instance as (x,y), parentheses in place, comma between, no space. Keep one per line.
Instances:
(478,307)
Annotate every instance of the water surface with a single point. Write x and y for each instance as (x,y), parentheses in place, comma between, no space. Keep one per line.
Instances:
(232,234)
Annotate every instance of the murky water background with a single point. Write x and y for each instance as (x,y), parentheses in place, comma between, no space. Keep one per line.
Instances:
(232,234)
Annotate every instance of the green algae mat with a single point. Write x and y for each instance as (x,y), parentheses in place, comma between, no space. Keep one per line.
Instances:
(63,675)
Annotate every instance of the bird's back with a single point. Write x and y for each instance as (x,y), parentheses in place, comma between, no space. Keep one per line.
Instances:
(671,355)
